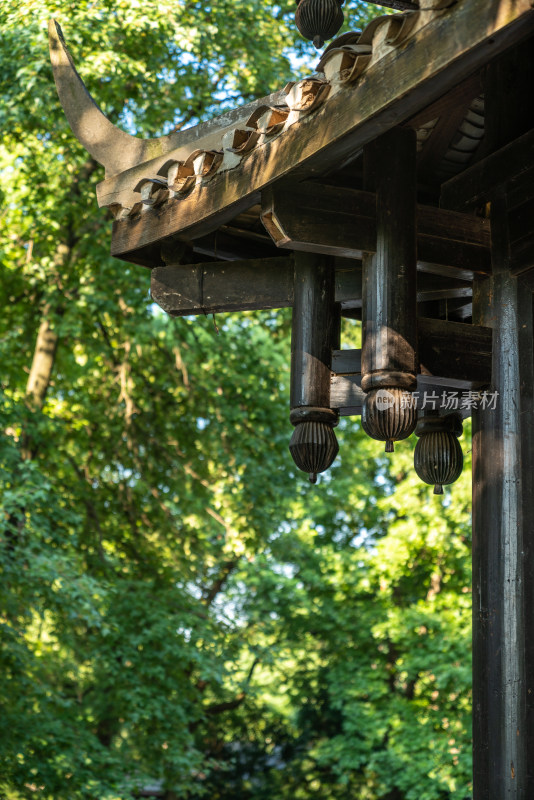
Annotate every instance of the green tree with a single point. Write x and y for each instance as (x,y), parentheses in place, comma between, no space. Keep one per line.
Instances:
(178,608)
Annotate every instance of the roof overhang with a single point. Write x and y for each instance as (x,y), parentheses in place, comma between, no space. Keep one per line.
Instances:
(406,63)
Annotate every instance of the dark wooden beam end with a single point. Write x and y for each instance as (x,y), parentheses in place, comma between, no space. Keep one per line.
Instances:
(312,217)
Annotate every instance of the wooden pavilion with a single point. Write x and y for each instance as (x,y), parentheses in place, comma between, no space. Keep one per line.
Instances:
(395,183)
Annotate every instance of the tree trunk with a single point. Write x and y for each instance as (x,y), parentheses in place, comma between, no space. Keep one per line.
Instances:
(42,363)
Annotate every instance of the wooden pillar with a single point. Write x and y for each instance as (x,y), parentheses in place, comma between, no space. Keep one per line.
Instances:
(503,539)
(315,333)
(389,296)
(503,489)
(389,291)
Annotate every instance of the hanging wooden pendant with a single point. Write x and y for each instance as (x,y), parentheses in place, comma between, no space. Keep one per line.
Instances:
(318,20)
(438,457)
(389,415)
(389,326)
(315,333)
(313,447)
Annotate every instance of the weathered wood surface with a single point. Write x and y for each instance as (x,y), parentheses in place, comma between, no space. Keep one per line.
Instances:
(455,351)
(503,469)
(112,147)
(460,42)
(450,352)
(347,396)
(218,286)
(223,286)
(453,357)
(462,289)
(389,275)
(340,221)
(315,331)
(509,168)
(503,541)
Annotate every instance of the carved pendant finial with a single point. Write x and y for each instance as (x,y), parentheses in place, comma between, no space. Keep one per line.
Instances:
(318,20)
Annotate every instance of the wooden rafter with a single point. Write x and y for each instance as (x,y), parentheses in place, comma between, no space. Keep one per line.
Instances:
(509,168)
(439,141)
(459,95)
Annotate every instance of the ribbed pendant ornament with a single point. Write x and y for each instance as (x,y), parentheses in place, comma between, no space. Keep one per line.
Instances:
(318,20)
(389,415)
(438,457)
(314,447)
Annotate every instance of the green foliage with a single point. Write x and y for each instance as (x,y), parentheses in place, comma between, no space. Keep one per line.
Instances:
(178,608)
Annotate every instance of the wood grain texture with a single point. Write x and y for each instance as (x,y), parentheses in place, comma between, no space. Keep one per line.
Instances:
(314,332)
(451,353)
(503,541)
(177,146)
(389,294)
(218,286)
(503,469)
(509,168)
(460,41)
(253,284)
(341,221)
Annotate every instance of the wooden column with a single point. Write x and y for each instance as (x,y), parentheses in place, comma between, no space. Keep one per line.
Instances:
(503,487)
(389,291)
(389,296)
(503,540)
(315,333)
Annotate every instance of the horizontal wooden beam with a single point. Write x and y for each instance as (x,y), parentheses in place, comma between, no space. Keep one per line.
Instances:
(461,41)
(347,396)
(243,285)
(509,169)
(450,353)
(218,286)
(454,357)
(339,221)
(455,351)
(452,292)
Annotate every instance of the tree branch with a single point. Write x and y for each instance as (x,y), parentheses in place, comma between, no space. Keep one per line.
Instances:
(217,586)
